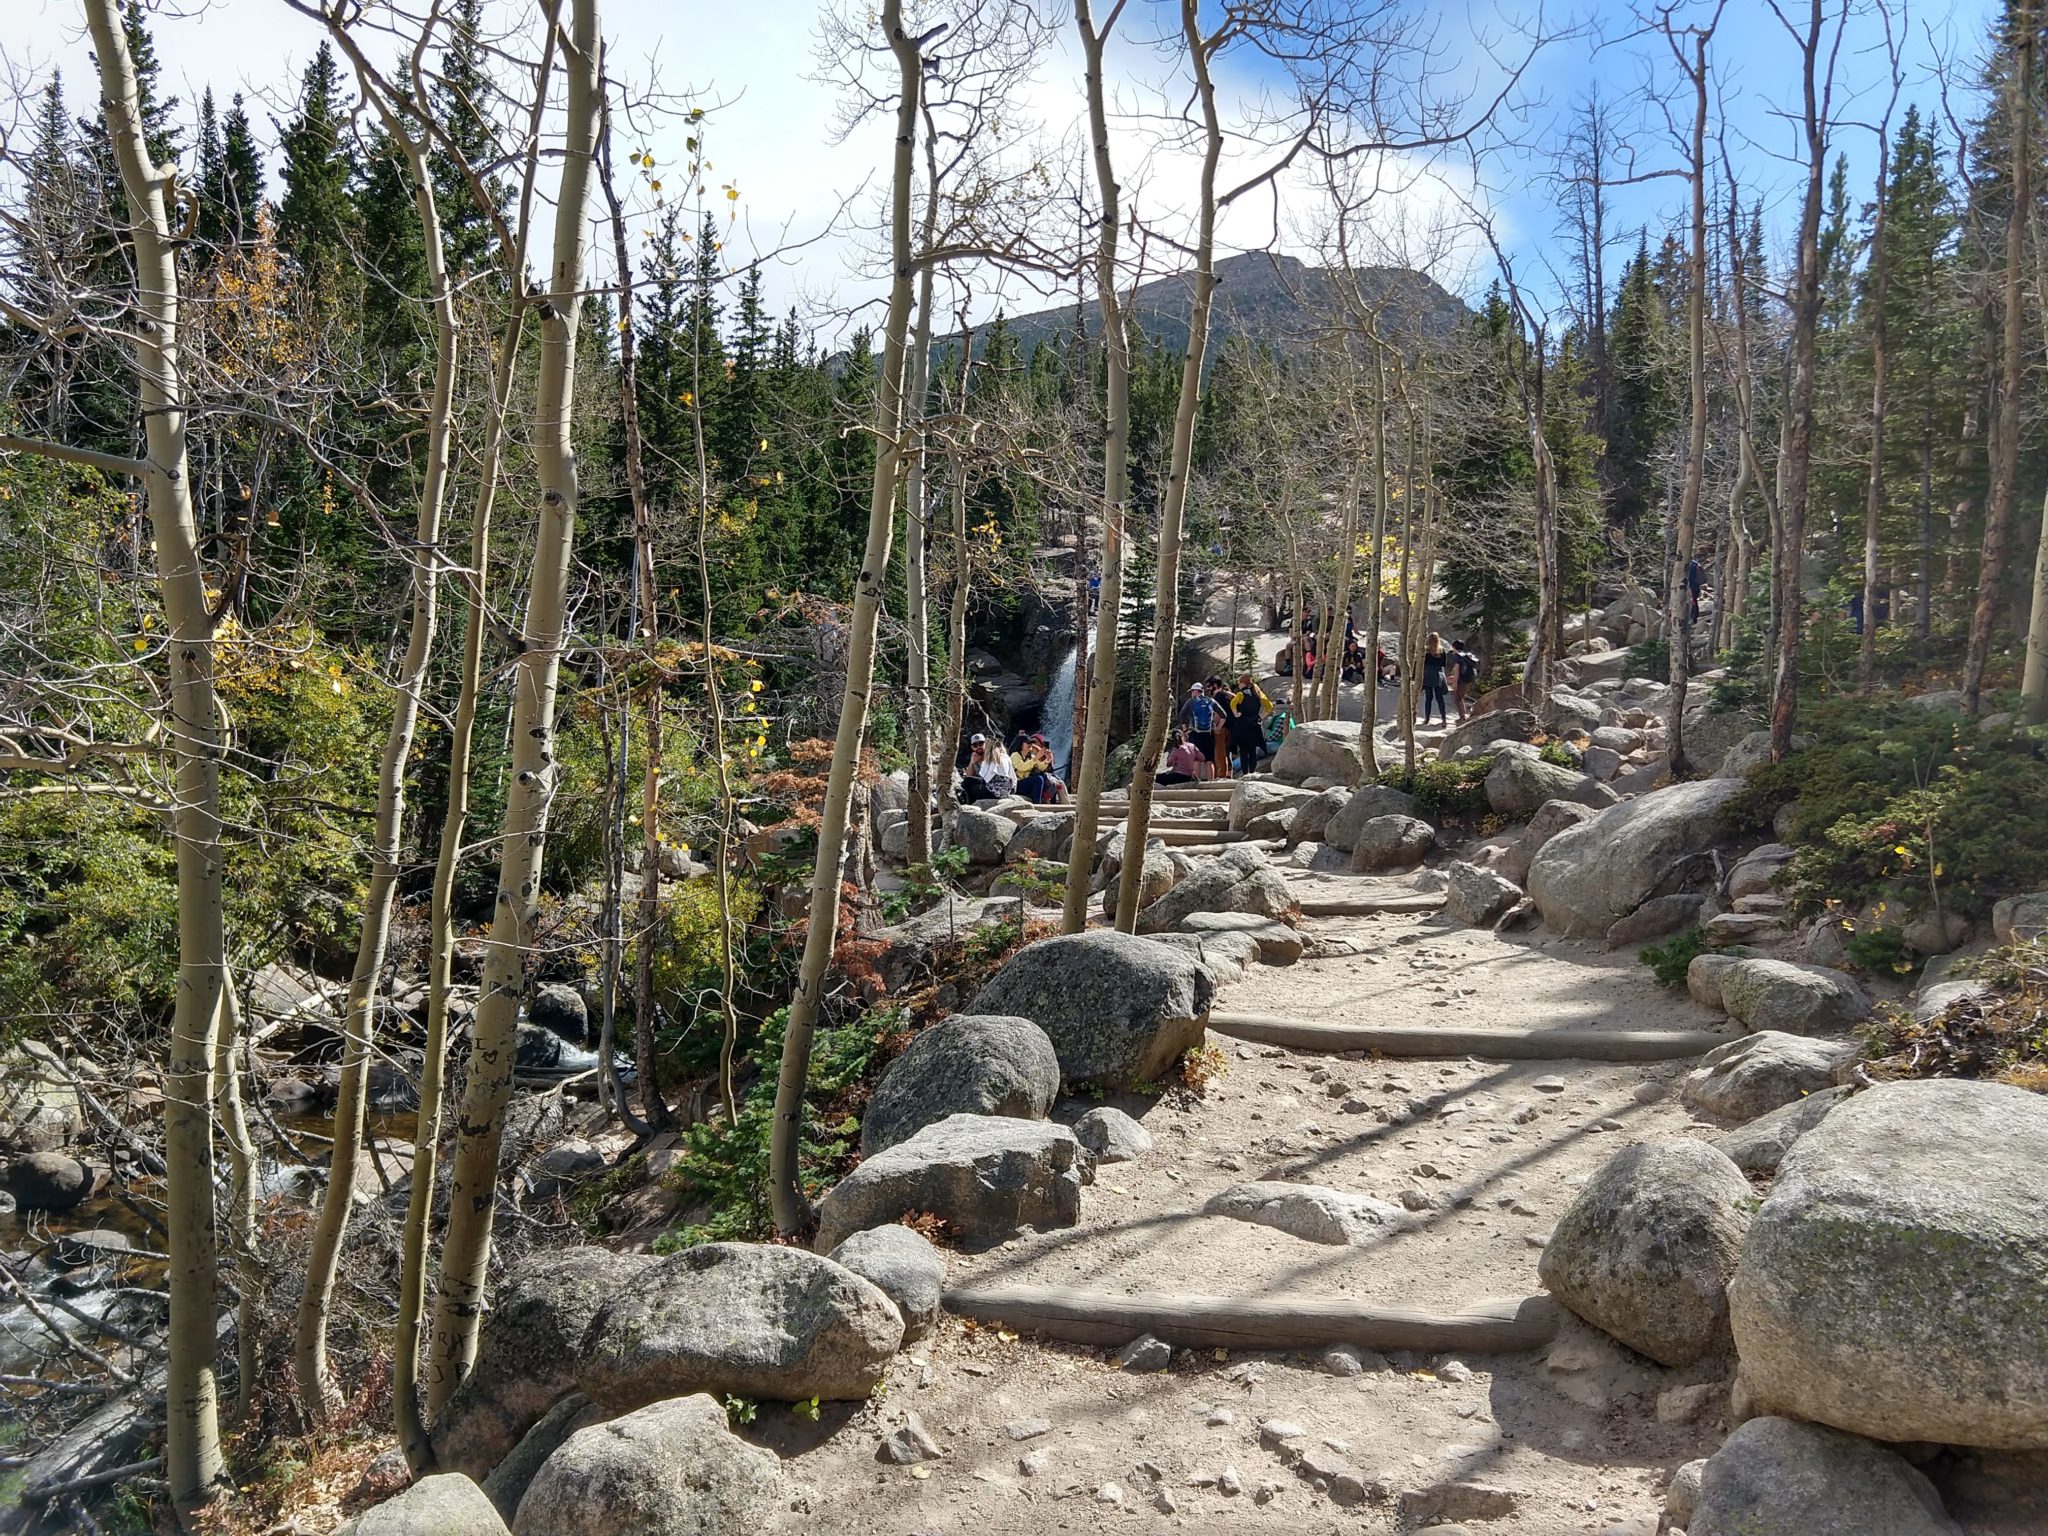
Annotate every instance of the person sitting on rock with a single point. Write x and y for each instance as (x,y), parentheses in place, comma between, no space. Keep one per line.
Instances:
(973,787)
(1184,763)
(1036,781)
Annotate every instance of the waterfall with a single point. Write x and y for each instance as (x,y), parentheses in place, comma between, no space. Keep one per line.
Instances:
(1057,718)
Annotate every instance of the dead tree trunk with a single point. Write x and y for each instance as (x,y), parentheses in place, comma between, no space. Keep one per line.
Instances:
(2006,439)
(1678,599)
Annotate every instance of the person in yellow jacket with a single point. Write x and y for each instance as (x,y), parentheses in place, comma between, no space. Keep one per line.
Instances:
(1247,709)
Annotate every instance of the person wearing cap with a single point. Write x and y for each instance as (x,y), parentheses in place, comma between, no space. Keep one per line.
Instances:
(974,785)
(1202,715)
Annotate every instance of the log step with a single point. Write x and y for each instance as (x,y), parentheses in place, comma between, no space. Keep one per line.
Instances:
(1368,906)
(1486,1044)
(1256,1322)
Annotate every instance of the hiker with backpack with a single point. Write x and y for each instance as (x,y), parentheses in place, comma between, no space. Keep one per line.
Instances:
(1201,716)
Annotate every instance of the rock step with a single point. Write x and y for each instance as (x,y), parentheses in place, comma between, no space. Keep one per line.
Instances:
(1255,1322)
(1485,1044)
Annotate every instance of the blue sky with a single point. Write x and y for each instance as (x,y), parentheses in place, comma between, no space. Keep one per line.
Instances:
(771,125)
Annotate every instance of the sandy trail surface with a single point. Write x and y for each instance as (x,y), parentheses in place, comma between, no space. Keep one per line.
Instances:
(1479,1159)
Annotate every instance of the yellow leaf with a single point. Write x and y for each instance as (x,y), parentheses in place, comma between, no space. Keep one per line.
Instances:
(655,185)
(141,644)
(920,1473)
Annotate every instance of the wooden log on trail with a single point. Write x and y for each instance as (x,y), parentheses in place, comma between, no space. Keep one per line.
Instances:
(1256,1322)
(1368,906)
(1486,1044)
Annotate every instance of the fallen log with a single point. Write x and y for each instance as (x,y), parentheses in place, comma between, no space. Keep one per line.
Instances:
(1256,1322)
(1486,1044)
(1368,906)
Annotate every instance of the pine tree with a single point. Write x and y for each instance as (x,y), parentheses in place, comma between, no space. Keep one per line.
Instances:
(1644,393)
(241,188)
(460,98)
(316,222)
(394,261)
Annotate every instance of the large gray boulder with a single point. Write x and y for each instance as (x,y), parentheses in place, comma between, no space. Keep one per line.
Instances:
(745,1319)
(969,1064)
(669,1469)
(39,1109)
(987,1177)
(1778,1477)
(1310,1212)
(1392,842)
(2020,917)
(1756,872)
(909,947)
(1049,837)
(1551,818)
(1758,1073)
(1313,817)
(1156,876)
(1516,785)
(1798,999)
(1366,803)
(904,1266)
(1119,1009)
(1645,1251)
(1495,725)
(447,1504)
(1894,1284)
(530,1352)
(1712,733)
(1251,799)
(983,834)
(1655,918)
(1588,877)
(1478,897)
(1239,879)
(509,1480)
(1760,1146)
(1321,749)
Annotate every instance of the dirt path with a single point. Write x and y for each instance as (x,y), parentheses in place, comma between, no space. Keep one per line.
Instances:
(1483,1156)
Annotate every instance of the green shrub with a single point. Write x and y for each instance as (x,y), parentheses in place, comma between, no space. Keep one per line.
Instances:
(1449,791)
(1879,951)
(1558,755)
(1669,961)
(1649,658)
(1901,805)
(725,1165)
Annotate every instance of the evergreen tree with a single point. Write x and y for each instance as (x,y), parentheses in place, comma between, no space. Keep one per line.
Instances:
(1645,395)
(316,220)
(460,97)
(394,258)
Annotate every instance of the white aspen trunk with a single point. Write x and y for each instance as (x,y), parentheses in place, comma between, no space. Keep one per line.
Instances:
(1375,607)
(192,1455)
(309,1351)
(792,1209)
(917,668)
(458,1304)
(1167,585)
(408,1415)
(1116,440)
(1796,465)
(251,1276)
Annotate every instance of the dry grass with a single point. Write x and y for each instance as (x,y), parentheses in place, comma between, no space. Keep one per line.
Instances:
(2001,1037)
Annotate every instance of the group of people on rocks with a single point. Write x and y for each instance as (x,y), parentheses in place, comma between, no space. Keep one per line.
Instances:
(1220,726)
(991,771)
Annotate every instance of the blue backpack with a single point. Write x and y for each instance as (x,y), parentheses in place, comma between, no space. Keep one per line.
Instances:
(1202,713)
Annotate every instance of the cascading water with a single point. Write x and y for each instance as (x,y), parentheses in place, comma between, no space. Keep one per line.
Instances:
(1057,720)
